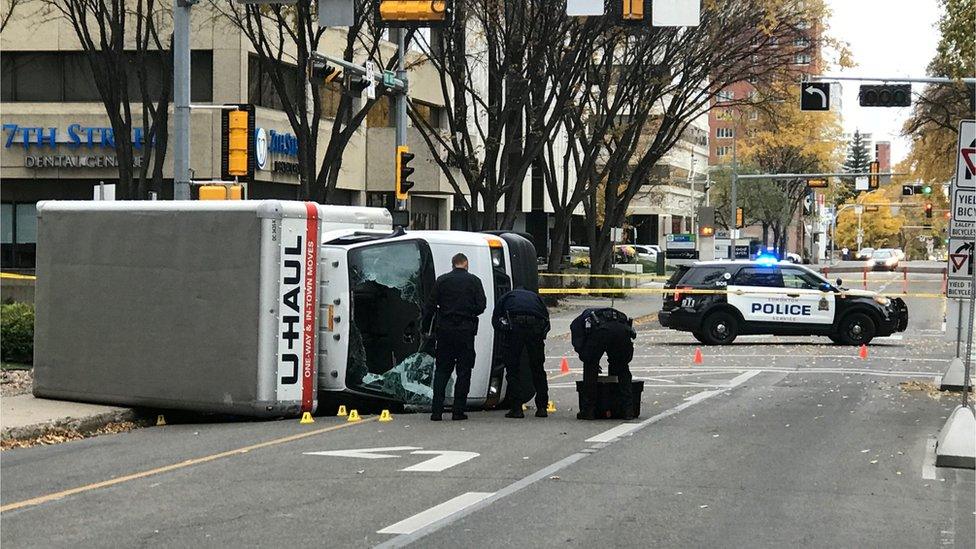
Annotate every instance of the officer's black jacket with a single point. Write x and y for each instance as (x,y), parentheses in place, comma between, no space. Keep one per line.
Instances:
(519,302)
(578,329)
(456,299)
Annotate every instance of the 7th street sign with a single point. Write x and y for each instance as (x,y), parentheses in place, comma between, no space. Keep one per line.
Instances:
(815,96)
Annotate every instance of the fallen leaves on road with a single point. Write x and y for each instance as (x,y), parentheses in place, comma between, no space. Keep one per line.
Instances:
(929,388)
(59,435)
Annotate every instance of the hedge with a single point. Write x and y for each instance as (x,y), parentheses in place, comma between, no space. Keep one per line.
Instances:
(17,333)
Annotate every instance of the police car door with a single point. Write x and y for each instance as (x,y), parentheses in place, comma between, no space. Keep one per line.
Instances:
(805,287)
(755,291)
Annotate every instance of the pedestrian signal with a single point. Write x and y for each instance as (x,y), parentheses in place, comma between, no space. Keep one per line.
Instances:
(632,11)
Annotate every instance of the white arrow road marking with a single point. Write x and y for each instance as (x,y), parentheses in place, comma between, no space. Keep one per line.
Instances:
(445,460)
(823,96)
(365,453)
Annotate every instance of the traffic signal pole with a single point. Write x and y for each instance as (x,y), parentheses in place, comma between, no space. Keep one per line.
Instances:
(401,103)
(181,99)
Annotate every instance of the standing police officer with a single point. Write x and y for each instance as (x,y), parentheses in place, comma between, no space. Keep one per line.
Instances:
(524,320)
(455,302)
(598,331)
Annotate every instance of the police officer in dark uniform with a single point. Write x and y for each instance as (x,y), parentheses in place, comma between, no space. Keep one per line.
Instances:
(522,318)
(454,305)
(598,331)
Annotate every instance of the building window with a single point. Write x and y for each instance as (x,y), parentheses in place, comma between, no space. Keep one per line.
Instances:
(429,113)
(724,133)
(726,95)
(802,42)
(723,151)
(801,59)
(66,76)
(754,115)
(18,235)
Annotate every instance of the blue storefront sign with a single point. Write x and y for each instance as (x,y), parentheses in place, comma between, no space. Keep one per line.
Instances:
(74,136)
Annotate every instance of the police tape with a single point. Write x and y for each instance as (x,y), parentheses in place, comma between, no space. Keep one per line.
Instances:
(616,276)
(689,291)
(15,276)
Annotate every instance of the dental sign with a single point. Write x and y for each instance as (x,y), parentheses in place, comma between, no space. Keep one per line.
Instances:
(87,146)
(276,151)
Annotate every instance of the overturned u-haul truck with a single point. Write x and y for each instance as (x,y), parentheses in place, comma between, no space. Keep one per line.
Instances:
(258,308)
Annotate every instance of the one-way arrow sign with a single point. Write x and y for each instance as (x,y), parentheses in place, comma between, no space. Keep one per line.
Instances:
(815,96)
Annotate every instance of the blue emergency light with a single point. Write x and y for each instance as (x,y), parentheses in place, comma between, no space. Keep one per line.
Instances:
(765,260)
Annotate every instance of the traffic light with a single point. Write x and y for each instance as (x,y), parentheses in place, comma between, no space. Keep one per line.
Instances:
(403,172)
(874,179)
(237,153)
(886,95)
(740,218)
(926,189)
(321,71)
(632,11)
(928,210)
(819,183)
(706,221)
(413,13)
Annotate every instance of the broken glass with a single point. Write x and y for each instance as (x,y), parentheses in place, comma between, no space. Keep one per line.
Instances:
(389,284)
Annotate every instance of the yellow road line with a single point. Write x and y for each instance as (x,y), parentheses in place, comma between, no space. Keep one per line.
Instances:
(16,276)
(172,467)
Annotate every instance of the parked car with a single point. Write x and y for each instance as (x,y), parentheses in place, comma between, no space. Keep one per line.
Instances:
(865,253)
(794,258)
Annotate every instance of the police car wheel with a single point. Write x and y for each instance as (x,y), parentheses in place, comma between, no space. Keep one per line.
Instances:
(699,336)
(836,339)
(857,329)
(719,329)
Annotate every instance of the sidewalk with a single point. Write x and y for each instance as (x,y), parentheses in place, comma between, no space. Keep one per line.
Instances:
(24,416)
(634,306)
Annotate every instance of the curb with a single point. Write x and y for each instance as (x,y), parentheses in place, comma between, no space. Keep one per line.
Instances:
(83,425)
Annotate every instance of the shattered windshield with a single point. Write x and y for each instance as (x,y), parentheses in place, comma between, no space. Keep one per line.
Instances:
(389,283)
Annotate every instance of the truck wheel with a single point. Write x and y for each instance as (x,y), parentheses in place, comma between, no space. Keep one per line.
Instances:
(719,328)
(856,329)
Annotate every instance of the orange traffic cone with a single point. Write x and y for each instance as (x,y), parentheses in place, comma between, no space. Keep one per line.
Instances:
(564,366)
(863,353)
(698,355)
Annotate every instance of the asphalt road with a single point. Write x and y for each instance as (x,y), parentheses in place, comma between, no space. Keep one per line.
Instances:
(770,442)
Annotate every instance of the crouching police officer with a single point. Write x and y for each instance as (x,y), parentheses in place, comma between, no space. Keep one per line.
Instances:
(455,301)
(524,320)
(599,331)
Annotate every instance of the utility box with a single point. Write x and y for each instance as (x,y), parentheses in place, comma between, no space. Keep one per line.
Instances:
(207,306)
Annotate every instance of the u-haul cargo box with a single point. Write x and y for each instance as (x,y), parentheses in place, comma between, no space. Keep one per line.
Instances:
(204,306)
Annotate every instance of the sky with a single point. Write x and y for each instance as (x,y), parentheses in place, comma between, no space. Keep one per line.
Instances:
(887,38)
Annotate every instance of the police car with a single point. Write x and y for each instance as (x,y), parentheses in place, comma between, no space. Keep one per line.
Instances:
(772,297)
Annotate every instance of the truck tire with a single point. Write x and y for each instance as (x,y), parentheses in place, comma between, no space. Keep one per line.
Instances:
(856,329)
(719,328)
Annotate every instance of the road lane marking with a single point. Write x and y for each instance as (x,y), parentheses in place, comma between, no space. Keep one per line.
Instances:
(614,432)
(172,467)
(435,513)
(928,462)
(445,460)
(408,538)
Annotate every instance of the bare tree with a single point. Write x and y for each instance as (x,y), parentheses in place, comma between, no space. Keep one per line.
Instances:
(284,37)
(7,12)
(735,41)
(103,28)
(507,70)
